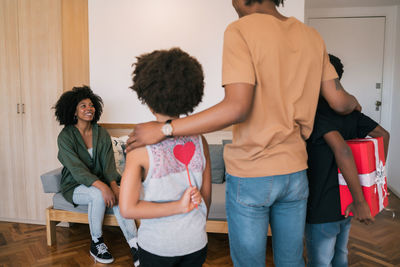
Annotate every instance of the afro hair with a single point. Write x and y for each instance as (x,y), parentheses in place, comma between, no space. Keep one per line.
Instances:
(170,82)
(67,103)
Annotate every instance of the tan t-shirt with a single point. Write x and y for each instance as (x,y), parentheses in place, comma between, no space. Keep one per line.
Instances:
(286,61)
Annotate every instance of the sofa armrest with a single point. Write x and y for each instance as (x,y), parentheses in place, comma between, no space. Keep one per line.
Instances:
(51,181)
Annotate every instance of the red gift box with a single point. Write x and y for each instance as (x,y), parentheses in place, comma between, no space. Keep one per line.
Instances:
(369,157)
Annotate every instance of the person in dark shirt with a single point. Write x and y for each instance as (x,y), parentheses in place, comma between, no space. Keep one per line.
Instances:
(327,230)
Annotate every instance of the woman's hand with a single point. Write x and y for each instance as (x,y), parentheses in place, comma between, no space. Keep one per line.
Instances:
(115,189)
(109,197)
(190,199)
(108,194)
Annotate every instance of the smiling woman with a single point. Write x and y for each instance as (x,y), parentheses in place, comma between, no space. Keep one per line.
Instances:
(89,176)
(85,110)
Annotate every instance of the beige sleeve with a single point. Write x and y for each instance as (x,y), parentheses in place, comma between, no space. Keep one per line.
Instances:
(237,63)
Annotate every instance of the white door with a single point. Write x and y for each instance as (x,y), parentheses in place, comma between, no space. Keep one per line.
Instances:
(359,43)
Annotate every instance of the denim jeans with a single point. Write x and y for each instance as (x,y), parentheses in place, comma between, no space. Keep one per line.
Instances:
(327,243)
(252,204)
(92,197)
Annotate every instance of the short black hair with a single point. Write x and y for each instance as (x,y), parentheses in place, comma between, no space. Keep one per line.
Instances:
(277,2)
(170,82)
(68,101)
(337,64)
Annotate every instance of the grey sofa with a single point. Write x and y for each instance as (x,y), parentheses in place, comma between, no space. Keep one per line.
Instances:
(63,211)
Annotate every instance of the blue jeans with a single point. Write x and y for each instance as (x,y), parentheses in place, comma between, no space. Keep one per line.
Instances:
(252,204)
(92,197)
(327,243)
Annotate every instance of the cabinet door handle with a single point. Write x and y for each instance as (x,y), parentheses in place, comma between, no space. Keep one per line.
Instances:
(17,108)
(23,108)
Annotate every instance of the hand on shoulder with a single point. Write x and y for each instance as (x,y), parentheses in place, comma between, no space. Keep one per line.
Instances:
(144,134)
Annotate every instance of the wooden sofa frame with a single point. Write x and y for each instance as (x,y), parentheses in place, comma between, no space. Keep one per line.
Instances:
(54,216)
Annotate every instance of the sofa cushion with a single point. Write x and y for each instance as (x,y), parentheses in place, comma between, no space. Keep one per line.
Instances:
(217,163)
(119,145)
(59,203)
(217,209)
(51,181)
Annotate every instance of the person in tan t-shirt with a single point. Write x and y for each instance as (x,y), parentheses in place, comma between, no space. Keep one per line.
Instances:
(274,69)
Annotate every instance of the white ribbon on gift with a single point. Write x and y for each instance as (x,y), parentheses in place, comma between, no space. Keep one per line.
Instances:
(376,177)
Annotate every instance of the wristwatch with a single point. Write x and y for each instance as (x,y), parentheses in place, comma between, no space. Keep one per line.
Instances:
(167,129)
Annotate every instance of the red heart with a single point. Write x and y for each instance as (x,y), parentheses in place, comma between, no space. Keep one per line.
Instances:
(184,153)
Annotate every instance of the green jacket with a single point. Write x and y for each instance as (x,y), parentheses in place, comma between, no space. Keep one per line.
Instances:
(79,167)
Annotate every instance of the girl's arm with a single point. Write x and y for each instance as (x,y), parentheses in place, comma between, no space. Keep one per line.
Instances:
(206,185)
(131,206)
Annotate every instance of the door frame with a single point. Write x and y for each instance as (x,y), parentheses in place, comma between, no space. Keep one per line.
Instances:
(390,13)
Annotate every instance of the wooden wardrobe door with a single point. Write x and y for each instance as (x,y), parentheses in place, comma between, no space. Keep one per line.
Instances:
(11,164)
(41,85)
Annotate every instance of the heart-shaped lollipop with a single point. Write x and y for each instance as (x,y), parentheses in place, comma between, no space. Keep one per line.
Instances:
(184,153)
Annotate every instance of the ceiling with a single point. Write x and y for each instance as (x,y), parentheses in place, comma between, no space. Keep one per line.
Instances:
(349,3)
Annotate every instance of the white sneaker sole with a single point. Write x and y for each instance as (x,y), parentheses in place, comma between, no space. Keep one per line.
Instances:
(105,261)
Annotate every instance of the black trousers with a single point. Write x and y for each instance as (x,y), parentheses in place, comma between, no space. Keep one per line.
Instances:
(195,259)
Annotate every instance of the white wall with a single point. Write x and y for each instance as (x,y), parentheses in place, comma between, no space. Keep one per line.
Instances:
(293,8)
(394,147)
(120,30)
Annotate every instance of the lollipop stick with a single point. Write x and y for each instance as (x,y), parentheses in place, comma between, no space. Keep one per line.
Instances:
(190,183)
(187,169)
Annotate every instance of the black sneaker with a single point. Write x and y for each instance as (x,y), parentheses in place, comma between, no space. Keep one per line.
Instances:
(135,256)
(99,251)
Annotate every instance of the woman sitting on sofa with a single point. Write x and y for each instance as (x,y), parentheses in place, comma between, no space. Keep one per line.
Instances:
(89,176)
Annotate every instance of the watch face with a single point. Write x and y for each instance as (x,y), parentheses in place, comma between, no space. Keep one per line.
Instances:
(167,129)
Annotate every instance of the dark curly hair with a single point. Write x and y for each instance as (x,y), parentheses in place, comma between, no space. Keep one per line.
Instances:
(337,64)
(277,2)
(68,101)
(170,82)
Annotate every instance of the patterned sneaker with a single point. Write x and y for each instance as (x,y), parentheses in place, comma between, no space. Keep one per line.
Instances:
(99,251)
(135,256)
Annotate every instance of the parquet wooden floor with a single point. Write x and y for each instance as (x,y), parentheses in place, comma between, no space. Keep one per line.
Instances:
(25,245)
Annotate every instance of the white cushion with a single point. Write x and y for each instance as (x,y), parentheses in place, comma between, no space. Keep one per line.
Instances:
(119,144)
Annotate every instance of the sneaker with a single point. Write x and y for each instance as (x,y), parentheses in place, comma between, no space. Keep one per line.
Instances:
(135,256)
(99,251)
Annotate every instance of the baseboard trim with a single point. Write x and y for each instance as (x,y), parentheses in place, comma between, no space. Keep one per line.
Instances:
(394,191)
(27,221)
